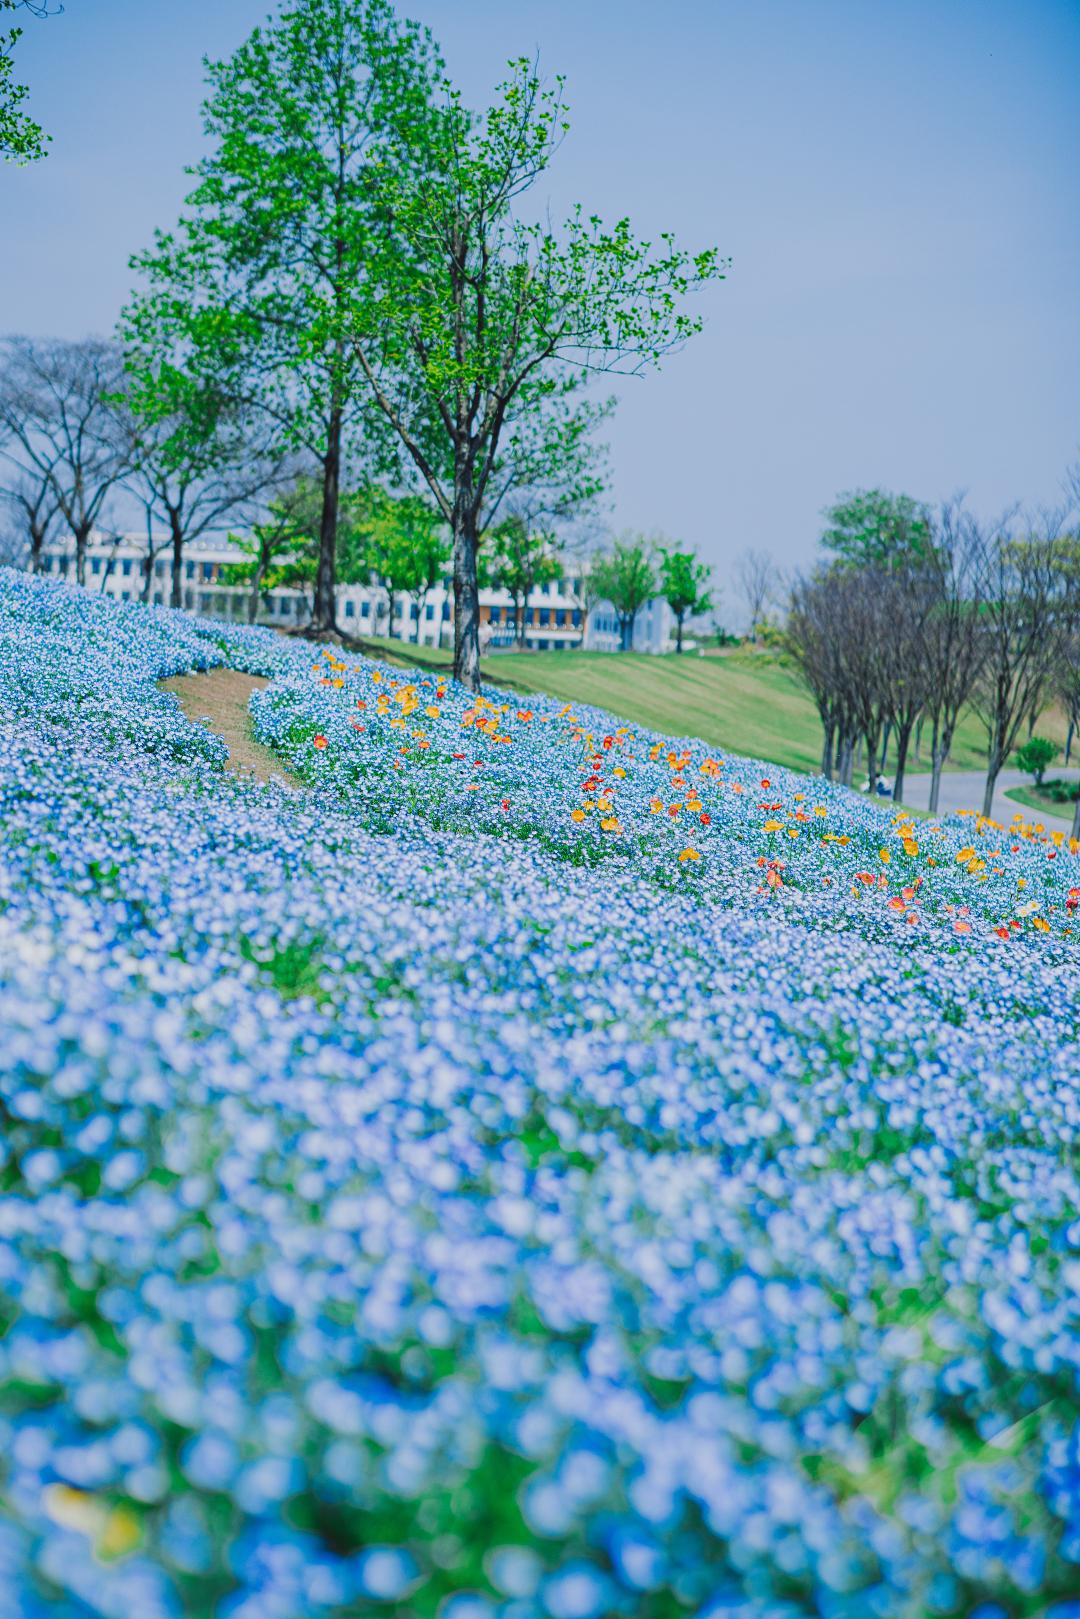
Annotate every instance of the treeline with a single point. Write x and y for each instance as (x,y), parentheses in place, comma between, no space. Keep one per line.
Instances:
(918,614)
(76,451)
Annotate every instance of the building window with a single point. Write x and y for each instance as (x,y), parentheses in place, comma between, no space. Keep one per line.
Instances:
(125,595)
(189,570)
(95,566)
(545,615)
(429,612)
(560,618)
(350,609)
(125,567)
(446,612)
(576,618)
(365,609)
(159,569)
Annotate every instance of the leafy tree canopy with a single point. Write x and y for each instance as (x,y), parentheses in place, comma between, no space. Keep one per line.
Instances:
(873,528)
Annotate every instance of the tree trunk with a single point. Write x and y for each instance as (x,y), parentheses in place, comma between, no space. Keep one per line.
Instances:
(885,743)
(937,764)
(82,536)
(466,599)
(177,532)
(993,769)
(324,612)
(871,764)
(827,749)
(1069,740)
(903,741)
(1075,833)
(37,545)
(678,632)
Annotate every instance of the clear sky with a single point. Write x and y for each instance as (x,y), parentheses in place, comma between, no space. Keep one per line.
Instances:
(897,184)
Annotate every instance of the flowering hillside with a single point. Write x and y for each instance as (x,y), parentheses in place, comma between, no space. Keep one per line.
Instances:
(537,1169)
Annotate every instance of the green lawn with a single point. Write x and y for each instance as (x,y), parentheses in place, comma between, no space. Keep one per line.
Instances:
(744,701)
(1032,799)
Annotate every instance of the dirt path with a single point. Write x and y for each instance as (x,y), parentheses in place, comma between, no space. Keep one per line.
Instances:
(218,699)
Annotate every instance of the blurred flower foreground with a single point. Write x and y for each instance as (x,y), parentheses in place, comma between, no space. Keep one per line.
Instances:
(520,1168)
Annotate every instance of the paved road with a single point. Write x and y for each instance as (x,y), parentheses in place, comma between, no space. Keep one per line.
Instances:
(963,790)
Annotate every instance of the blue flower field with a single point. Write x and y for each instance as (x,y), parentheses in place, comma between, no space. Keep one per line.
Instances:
(530,1169)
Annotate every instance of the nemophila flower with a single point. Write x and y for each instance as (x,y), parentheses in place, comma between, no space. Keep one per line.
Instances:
(415,1197)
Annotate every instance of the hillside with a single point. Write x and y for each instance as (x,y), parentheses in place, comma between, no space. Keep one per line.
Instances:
(742,701)
(515,1168)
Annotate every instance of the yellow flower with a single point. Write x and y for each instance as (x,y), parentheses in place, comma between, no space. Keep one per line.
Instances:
(964,856)
(820,809)
(611,824)
(884,856)
(577,815)
(774,826)
(618,771)
(911,847)
(689,854)
(432,712)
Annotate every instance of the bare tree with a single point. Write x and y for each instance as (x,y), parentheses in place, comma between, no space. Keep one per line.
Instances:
(31,499)
(199,459)
(1029,613)
(60,417)
(952,642)
(811,639)
(757,580)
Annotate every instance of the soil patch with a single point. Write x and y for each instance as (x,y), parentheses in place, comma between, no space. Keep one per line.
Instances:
(218,699)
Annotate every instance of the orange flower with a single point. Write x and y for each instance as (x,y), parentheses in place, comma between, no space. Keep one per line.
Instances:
(706,820)
(961,927)
(897,905)
(319,741)
(577,815)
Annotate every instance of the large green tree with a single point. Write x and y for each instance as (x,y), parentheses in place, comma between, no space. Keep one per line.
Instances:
(260,279)
(876,529)
(626,578)
(684,583)
(476,328)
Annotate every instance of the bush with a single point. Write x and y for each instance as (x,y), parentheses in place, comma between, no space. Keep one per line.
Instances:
(1035,755)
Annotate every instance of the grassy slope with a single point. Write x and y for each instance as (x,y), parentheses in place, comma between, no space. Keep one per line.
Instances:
(1031,798)
(747,702)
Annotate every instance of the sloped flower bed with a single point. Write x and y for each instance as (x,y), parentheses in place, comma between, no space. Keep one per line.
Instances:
(539,1169)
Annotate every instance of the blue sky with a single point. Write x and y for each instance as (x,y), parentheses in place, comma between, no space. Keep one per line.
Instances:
(896,184)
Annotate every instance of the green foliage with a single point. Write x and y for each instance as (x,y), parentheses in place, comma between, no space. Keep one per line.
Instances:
(1033,758)
(477,330)
(626,578)
(684,582)
(519,561)
(873,528)
(21,139)
(256,283)
(282,550)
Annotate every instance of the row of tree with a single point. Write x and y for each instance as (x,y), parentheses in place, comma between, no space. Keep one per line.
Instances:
(918,615)
(76,448)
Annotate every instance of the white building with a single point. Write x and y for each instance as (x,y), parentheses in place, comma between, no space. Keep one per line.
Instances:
(554,616)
